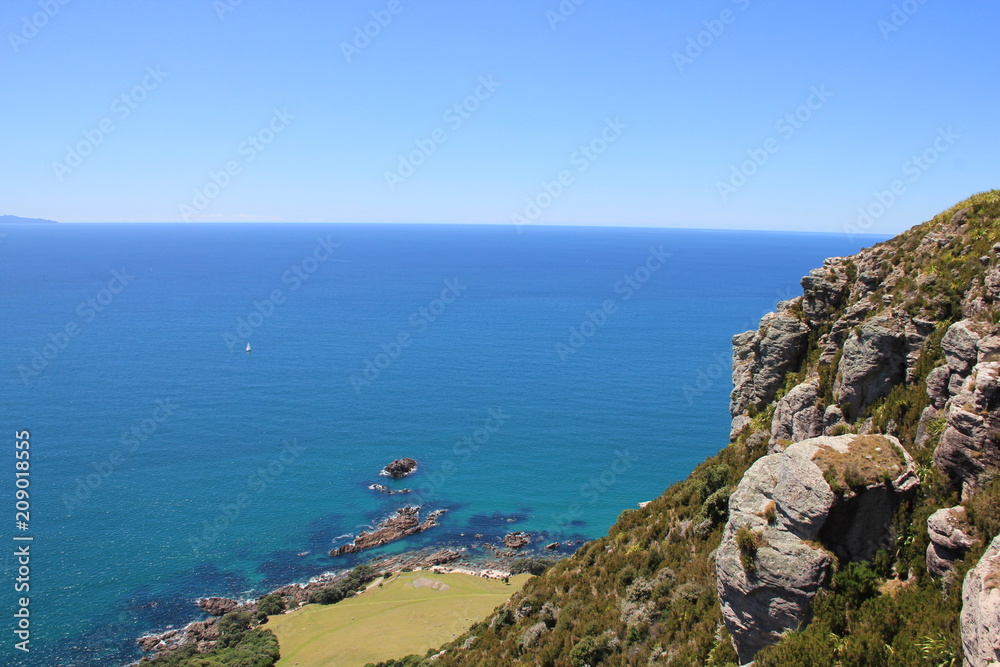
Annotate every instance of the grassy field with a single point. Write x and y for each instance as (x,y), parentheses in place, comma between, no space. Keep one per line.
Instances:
(410,613)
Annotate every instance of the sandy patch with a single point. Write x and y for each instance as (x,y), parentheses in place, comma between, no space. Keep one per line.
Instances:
(424,582)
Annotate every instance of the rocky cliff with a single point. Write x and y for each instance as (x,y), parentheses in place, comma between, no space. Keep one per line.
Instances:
(902,340)
(847,521)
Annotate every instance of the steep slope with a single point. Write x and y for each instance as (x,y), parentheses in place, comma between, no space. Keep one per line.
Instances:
(900,341)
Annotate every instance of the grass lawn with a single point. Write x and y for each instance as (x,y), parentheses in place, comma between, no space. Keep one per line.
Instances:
(412,612)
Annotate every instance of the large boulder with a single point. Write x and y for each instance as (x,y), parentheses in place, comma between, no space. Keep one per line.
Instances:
(791,515)
(981,610)
(947,529)
(762,357)
(797,416)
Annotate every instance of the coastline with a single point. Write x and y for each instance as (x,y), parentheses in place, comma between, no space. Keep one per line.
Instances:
(494,563)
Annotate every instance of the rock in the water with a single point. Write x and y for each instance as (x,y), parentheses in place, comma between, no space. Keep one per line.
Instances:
(399,468)
(386,490)
(949,540)
(797,416)
(403,522)
(217,606)
(981,610)
(790,514)
(517,540)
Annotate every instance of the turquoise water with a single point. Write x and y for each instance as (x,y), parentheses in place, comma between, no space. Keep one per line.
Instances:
(544,380)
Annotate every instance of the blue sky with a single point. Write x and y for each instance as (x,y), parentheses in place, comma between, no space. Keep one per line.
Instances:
(123,111)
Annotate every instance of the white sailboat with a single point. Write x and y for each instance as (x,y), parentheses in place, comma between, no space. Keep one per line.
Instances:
(248,348)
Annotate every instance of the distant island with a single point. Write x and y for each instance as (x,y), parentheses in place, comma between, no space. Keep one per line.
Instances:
(15,219)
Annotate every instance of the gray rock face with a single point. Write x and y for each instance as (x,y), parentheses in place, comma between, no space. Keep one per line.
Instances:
(833,417)
(789,508)
(874,360)
(823,291)
(797,416)
(937,386)
(949,539)
(924,433)
(959,347)
(762,357)
(969,451)
(981,610)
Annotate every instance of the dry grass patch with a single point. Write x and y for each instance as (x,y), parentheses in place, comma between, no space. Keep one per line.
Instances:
(869,459)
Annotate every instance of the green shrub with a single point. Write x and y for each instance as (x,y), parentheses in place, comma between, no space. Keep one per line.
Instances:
(748,541)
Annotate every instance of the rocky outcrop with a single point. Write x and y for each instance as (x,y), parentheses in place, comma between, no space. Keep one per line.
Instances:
(797,416)
(792,513)
(762,357)
(400,524)
(217,606)
(873,361)
(968,390)
(981,610)
(950,540)
(517,540)
(399,468)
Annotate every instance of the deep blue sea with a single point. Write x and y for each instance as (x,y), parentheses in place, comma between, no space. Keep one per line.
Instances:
(545,380)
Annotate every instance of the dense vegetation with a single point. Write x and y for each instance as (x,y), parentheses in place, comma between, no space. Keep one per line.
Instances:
(242,643)
(239,645)
(646,593)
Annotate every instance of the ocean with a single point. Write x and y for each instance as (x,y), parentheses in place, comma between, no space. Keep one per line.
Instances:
(545,379)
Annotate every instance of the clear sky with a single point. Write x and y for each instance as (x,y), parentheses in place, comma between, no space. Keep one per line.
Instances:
(122,110)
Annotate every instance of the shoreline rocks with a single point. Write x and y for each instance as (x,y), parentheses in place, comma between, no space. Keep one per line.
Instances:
(399,468)
(217,606)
